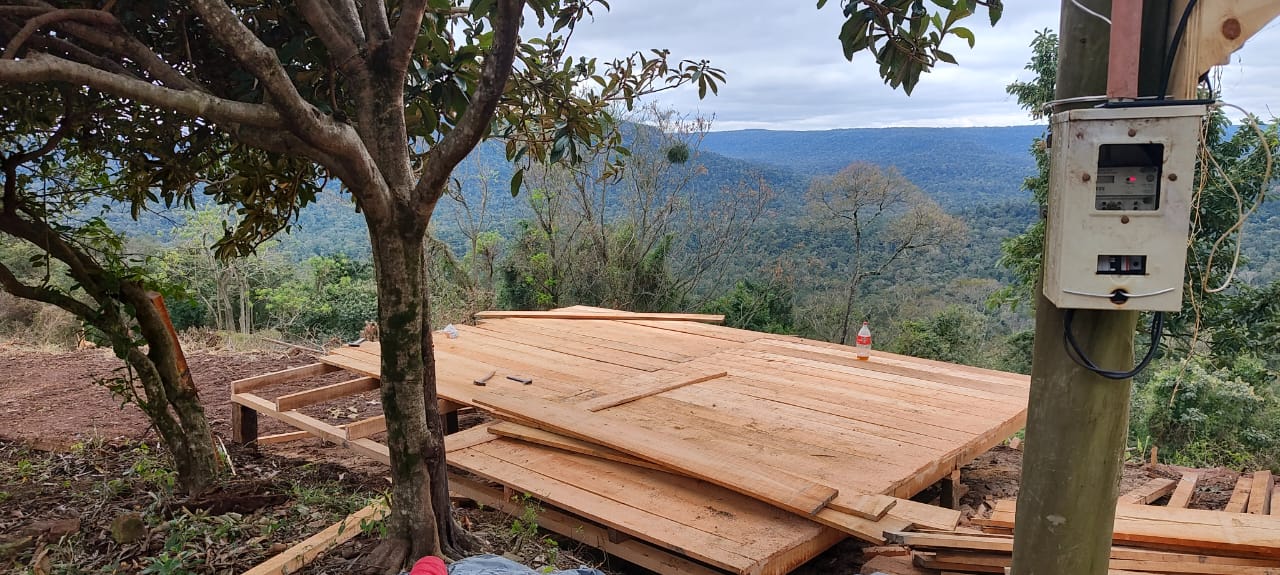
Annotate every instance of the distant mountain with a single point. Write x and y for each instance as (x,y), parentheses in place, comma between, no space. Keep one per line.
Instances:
(956,166)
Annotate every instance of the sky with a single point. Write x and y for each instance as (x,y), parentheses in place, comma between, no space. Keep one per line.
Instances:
(786,70)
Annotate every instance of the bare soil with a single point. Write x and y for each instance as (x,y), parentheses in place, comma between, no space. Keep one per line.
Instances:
(50,401)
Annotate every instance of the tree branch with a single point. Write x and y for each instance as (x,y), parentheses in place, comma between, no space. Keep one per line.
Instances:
(45,68)
(376,28)
(321,17)
(129,47)
(11,284)
(405,37)
(261,61)
(64,126)
(474,122)
(34,24)
(349,15)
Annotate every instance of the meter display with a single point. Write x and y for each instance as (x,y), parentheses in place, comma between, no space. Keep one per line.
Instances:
(1132,188)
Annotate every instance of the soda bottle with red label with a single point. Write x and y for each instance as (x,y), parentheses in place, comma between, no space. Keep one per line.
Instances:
(863,342)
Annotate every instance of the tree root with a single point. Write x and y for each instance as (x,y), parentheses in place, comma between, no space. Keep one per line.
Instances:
(389,557)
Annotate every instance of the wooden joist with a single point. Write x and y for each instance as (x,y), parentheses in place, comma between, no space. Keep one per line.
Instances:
(326,393)
(295,558)
(1186,489)
(1239,502)
(1149,491)
(283,376)
(1260,502)
(616,315)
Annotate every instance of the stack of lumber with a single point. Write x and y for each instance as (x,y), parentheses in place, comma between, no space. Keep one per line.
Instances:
(573,428)
(1241,540)
(674,443)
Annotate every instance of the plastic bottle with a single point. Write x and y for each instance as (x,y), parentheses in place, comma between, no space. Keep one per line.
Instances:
(863,342)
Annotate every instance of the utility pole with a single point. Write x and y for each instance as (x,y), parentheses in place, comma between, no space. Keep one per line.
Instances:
(1077,421)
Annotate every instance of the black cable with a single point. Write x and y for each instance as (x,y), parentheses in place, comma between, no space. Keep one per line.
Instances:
(1157,328)
(1172,53)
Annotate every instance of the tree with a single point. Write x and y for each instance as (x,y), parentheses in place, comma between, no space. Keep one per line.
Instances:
(644,230)
(47,186)
(886,218)
(385,97)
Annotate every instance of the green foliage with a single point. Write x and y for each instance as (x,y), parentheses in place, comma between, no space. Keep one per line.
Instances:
(904,37)
(1201,415)
(953,335)
(334,296)
(765,307)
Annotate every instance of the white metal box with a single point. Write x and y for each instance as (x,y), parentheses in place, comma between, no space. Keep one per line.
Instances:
(1120,193)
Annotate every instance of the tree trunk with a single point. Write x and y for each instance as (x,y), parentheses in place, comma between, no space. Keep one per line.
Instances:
(421,521)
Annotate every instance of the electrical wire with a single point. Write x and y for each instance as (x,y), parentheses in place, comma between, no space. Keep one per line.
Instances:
(1157,328)
(1172,53)
(1243,215)
(1090,12)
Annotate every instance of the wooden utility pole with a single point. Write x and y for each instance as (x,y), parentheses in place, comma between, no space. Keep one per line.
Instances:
(1077,421)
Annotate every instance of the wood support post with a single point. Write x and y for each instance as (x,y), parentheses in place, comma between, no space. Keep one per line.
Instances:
(244,425)
(952,490)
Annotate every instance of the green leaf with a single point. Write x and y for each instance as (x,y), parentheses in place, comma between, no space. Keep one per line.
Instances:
(965,33)
(995,9)
(517,179)
(944,56)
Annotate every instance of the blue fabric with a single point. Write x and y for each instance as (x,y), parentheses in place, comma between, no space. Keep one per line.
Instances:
(494,565)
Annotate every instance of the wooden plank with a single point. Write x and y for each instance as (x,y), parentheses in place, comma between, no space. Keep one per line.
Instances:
(1192,530)
(1186,488)
(648,524)
(282,437)
(366,427)
(285,375)
(295,558)
(1150,491)
(326,393)
(771,485)
(659,382)
(611,316)
(893,566)
(1275,497)
(499,329)
(549,439)
(631,550)
(1260,502)
(1239,502)
(607,335)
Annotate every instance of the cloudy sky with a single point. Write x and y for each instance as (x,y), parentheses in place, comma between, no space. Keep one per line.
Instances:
(786,70)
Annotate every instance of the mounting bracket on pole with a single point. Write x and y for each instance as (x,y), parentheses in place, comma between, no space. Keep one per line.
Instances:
(1216,29)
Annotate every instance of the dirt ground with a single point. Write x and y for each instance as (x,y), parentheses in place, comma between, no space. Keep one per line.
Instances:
(49,400)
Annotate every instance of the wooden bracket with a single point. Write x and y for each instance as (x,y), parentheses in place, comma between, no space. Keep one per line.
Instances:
(1216,29)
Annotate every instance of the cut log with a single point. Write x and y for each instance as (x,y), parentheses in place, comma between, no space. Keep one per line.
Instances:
(1260,502)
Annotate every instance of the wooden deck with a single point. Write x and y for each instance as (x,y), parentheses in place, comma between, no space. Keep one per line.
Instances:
(892,425)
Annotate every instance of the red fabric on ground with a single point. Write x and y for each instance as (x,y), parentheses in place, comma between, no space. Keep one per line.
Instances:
(429,565)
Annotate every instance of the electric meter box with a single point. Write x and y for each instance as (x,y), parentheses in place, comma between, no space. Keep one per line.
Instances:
(1120,192)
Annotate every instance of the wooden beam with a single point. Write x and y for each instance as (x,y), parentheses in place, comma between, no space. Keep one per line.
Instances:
(1125,48)
(285,375)
(366,427)
(333,433)
(661,382)
(279,437)
(295,558)
(1260,502)
(775,486)
(326,393)
(244,425)
(1214,31)
(1186,489)
(616,315)
(1239,502)
(1149,491)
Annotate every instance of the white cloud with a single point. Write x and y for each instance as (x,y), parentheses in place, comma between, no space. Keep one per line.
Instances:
(786,70)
